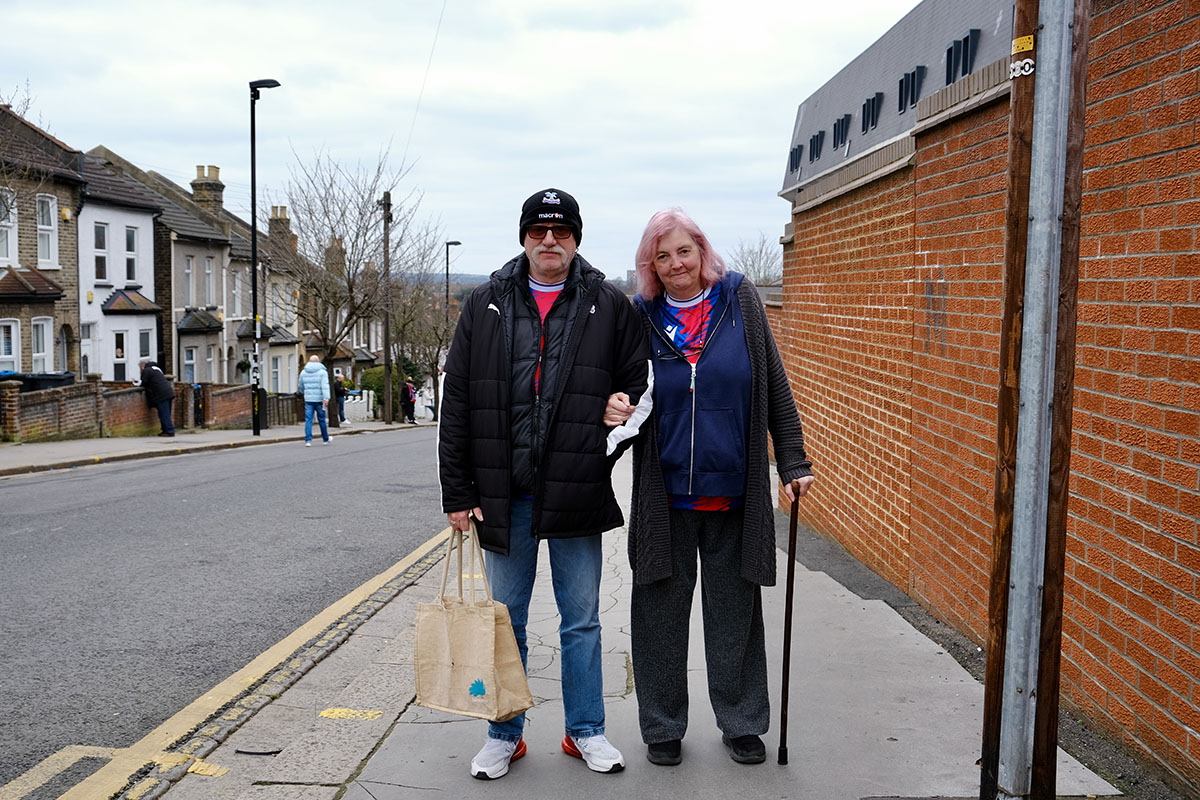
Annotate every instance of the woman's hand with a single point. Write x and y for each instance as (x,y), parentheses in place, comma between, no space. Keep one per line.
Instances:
(798,487)
(618,410)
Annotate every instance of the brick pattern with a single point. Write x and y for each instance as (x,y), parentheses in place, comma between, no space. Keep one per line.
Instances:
(890,331)
(1131,637)
(959,185)
(96,408)
(846,335)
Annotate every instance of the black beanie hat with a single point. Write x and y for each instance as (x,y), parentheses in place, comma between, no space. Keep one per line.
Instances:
(551,207)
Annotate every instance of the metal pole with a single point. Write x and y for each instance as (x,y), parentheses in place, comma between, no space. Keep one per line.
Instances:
(1052,83)
(265,83)
(385,203)
(448,246)
(254,420)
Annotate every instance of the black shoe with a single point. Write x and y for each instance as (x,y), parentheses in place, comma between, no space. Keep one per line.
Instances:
(748,749)
(164,433)
(664,753)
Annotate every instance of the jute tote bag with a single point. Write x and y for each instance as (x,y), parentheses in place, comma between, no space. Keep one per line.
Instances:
(466,654)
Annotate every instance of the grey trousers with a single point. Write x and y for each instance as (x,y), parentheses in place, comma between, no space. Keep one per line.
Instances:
(734,643)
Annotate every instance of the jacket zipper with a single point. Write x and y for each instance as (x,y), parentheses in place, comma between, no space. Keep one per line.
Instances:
(692,389)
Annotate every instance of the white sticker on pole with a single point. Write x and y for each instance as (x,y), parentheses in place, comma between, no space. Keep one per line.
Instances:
(1018,69)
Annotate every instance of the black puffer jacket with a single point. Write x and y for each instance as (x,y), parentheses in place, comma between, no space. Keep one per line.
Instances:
(594,347)
(155,385)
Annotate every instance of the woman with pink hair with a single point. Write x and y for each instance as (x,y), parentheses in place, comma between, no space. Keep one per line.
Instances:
(702,485)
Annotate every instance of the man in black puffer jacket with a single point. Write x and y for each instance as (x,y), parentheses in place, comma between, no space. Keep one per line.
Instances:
(522,446)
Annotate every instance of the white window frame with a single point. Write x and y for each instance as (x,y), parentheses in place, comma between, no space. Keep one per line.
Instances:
(47,258)
(131,251)
(146,338)
(41,353)
(8,226)
(208,281)
(275,374)
(187,280)
(210,359)
(100,230)
(122,360)
(189,365)
(236,298)
(11,361)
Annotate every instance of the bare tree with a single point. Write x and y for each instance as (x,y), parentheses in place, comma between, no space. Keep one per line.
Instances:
(761,261)
(338,246)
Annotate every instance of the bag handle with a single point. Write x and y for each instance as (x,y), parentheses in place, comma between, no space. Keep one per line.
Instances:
(455,543)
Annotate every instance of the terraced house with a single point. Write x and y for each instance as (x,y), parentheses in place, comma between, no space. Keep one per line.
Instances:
(40,195)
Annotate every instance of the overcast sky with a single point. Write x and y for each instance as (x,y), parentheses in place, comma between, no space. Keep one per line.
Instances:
(629,106)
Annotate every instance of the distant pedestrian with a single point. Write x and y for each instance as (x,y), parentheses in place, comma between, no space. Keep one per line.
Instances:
(408,401)
(314,382)
(339,393)
(159,394)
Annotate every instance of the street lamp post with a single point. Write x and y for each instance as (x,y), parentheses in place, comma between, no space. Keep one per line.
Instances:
(448,246)
(265,83)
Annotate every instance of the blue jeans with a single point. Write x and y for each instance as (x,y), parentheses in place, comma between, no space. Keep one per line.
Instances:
(575,566)
(319,410)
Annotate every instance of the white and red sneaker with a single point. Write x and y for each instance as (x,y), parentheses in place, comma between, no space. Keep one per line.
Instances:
(596,752)
(492,761)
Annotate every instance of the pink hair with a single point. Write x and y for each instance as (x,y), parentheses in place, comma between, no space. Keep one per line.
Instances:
(712,266)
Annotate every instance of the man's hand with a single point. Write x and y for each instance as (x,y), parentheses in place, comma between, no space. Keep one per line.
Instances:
(618,410)
(461,520)
(798,487)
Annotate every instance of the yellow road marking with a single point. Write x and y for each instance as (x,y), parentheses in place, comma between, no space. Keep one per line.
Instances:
(209,770)
(44,772)
(124,762)
(351,713)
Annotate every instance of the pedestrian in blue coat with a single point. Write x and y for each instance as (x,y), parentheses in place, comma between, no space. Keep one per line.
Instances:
(314,383)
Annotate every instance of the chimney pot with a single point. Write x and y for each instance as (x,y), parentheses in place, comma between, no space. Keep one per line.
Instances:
(214,173)
(200,172)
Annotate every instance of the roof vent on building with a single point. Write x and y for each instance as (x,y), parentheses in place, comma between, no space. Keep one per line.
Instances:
(794,158)
(870,111)
(841,131)
(960,56)
(910,89)
(814,145)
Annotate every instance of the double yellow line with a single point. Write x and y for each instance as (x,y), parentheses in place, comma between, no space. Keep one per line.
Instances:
(124,762)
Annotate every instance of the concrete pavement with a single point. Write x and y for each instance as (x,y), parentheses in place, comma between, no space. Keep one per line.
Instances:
(877,709)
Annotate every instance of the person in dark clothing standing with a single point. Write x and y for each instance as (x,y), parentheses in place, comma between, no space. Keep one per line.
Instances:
(408,402)
(523,447)
(159,394)
(702,487)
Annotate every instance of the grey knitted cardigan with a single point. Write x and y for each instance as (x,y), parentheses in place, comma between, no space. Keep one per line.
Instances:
(772,408)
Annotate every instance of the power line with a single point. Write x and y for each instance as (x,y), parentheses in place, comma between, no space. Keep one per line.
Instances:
(421,94)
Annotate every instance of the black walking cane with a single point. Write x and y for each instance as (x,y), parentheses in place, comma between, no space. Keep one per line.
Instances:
(787,632)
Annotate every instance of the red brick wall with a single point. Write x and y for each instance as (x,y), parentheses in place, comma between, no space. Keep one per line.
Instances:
(1131,636)
(846,335)
(114,409)
(960,183)
(66,412)
(230,407)
(890,330)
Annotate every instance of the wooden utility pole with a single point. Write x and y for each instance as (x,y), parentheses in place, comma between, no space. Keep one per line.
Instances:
(1033,448)
(386,205)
